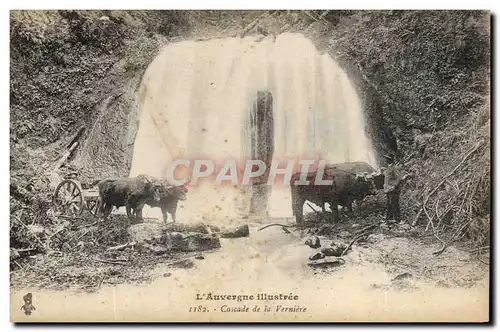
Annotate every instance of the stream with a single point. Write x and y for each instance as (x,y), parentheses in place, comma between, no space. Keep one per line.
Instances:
(268,262)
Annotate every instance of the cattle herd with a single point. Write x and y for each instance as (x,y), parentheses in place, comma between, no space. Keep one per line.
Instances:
(352,182)
(134,193)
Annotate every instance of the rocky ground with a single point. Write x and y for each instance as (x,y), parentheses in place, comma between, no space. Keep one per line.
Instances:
(115,253)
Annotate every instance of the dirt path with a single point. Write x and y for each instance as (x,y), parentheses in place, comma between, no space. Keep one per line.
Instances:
(452,286)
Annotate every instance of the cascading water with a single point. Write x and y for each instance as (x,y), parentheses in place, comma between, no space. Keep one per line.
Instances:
(196,99)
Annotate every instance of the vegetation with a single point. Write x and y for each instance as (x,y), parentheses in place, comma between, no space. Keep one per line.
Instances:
(430,72)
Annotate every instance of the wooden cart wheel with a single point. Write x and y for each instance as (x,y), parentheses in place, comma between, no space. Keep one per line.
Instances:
(93,205)
(68,198)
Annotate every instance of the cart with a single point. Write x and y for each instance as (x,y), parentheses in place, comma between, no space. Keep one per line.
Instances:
(70,197)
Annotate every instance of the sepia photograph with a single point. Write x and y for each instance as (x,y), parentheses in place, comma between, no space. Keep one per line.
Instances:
(250,166)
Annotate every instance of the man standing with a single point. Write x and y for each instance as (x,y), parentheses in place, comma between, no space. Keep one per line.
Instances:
(392,188)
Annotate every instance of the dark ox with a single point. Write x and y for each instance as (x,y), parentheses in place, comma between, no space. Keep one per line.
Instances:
(345,188)
(129,192)
(169,197)
(359,167)
(376,177)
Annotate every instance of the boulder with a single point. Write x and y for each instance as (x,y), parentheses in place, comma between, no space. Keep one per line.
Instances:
(240,231)
(316,256)
(190,242)
(146,232)
(313,242)
(224,232)
(335,249)
(159,239)
(183,264)
(195,227)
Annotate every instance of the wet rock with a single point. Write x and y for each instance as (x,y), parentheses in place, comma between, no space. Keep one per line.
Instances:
(329,252)
(240,231)
(190,242)
(313,242)
(316,256)
(334,250)
(183,264)
(327,262)
(402,276)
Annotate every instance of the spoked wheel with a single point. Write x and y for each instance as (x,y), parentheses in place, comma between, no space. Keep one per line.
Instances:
(68,198)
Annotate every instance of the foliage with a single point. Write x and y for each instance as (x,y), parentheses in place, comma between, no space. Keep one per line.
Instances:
(430,71)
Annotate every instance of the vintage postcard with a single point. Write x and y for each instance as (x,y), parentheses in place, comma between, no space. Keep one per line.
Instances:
(249,166)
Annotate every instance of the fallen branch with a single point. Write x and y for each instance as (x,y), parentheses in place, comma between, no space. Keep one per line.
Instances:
(444,245)
(285,226)
(444,180)
(352,242)
(367,228)
(480,248)
(121,246)
(59,230)
(479,259)
(109,261)
(25,249)
(83,234)
(65,156)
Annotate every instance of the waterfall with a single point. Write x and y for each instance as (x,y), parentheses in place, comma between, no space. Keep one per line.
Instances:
(196,101)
